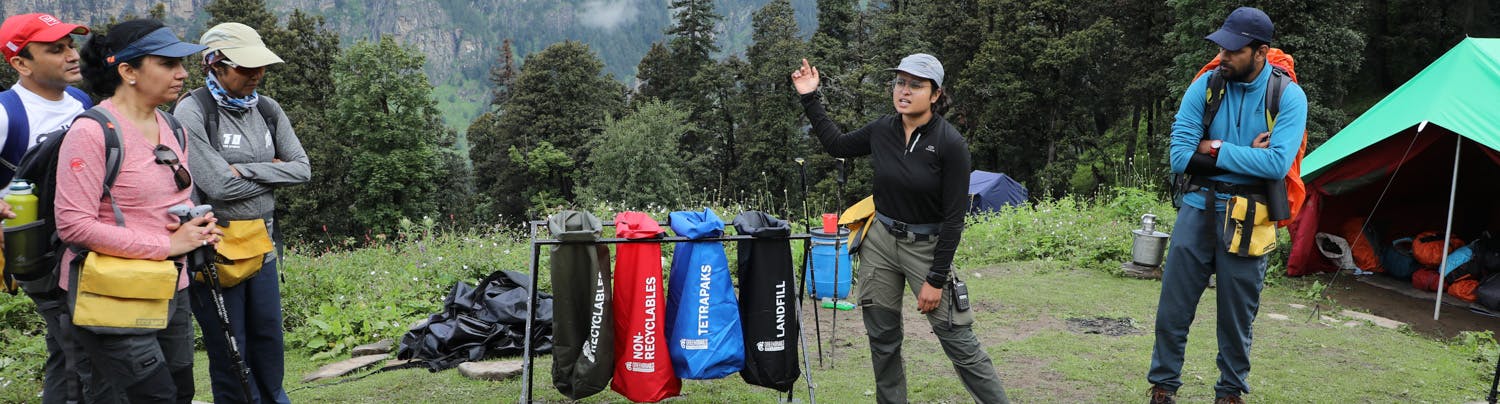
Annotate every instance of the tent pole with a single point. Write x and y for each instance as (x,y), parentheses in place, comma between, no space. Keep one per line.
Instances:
(1448,234)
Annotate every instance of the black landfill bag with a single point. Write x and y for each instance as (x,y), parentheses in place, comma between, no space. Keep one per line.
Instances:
(480,322)
(768,302)
(583,355)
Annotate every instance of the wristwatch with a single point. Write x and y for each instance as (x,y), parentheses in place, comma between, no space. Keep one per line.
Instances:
(1213,147)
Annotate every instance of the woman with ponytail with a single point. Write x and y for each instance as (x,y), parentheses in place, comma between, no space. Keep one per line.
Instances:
(136,67)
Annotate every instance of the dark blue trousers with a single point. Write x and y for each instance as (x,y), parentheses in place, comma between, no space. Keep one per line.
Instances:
(254,308)
(1199,248)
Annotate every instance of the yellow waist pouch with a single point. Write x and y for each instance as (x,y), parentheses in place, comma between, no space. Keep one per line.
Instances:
(113,295)
(1254,233)
(242,251)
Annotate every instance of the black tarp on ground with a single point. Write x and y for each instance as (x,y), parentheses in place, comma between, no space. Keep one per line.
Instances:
(583,340)
(479,322)
(768,302)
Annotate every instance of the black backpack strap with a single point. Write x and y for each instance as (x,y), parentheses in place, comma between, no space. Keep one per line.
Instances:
(210,110)
(1279,82)
(1212,100)
(113,154)
(271,113)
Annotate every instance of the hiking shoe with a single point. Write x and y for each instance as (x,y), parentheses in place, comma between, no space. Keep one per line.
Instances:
(1229,400)
(1160,395)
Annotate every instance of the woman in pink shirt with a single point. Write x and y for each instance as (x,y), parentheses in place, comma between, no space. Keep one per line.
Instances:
(137,66)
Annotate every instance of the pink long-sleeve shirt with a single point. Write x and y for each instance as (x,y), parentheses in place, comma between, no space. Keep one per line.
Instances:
(144,191)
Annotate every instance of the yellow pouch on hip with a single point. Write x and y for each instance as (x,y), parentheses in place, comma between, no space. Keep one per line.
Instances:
(116,295)
(1254,233)
(242,251)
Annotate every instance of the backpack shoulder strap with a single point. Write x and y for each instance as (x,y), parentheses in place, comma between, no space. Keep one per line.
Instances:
(177,130)
(210,110)
(1280,80)
(271,113)
(79,95)
(17,132)
(113,154)
(1212,100)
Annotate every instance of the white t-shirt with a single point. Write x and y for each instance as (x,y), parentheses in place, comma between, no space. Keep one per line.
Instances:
(43,115)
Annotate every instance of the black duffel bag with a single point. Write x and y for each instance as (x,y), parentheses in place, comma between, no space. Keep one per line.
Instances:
(480,322)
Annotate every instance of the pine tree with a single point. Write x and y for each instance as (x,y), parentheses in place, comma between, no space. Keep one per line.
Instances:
(558,103)
(772,138)
(503,75)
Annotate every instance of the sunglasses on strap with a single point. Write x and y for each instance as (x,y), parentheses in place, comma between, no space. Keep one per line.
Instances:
(165,156)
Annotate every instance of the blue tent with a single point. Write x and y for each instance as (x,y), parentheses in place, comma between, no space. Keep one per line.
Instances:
(989,191)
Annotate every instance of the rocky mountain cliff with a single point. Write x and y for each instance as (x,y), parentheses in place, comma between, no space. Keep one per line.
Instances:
(459,38)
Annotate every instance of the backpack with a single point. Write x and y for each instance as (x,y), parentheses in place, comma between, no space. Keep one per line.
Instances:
(15,112)
(39,165)
(209,107)
(1281,70)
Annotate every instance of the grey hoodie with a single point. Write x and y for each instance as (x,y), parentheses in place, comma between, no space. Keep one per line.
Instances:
(246,145)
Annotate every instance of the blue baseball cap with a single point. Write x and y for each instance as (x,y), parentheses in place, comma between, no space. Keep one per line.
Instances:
(922,65)
(161,42)
(1243,25)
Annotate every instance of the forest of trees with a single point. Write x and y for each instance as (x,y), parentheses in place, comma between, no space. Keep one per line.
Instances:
(1070,97)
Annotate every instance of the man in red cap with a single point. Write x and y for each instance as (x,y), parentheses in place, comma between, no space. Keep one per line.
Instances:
(40,47)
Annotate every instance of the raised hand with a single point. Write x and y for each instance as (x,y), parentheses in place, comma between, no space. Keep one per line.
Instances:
(806,78)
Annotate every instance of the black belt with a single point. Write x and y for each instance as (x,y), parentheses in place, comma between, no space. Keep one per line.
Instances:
(900,229)
(1226,187)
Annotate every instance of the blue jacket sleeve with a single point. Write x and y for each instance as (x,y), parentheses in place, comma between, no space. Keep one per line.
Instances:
(1286,138)
(1187,129)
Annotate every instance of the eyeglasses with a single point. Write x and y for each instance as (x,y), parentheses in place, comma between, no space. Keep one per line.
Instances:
(165,156)
(242,69)
(913,85)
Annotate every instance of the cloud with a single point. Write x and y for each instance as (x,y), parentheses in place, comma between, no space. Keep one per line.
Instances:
(608,14)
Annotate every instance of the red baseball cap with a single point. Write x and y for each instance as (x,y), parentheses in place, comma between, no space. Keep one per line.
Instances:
(36,27)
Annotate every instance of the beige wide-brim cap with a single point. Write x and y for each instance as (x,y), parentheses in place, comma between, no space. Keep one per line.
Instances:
(240,43)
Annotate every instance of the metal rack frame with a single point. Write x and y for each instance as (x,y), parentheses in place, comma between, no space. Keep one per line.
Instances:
(536,245)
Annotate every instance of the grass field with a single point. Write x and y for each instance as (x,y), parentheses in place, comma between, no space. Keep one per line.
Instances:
(1023,310)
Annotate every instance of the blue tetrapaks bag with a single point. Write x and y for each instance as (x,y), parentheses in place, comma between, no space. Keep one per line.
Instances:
(703,317)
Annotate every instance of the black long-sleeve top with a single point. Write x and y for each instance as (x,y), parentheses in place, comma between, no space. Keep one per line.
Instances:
(925,180)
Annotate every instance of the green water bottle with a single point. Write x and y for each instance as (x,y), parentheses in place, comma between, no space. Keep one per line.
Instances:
(22,202)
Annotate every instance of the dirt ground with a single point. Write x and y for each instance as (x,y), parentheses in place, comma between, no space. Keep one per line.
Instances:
(1396,305)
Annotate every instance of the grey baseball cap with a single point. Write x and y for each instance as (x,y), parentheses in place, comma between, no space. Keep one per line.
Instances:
(922,65)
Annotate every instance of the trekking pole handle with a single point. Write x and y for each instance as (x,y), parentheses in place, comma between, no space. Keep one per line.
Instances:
(185,214)
(843,171)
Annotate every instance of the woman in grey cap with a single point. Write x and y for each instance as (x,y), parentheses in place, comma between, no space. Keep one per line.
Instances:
(921,196)
(243,149)
(137,67)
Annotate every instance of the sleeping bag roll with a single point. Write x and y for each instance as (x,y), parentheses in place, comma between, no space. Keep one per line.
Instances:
(768,302)
(643,369)
(583,355)
(703,315)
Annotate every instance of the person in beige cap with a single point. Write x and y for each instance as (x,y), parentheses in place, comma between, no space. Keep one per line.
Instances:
(242,148)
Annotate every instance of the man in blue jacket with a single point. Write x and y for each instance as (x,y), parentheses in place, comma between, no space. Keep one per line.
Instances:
(1236,154)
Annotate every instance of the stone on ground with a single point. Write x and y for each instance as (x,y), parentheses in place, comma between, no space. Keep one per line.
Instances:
(491,370)
(384,346)
(1275,316)
(342,368)
(1373,319)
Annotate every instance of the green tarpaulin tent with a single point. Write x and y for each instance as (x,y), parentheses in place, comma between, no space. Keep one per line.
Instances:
(1419,157)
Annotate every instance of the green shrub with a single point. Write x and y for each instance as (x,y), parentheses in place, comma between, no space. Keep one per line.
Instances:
(1086,234)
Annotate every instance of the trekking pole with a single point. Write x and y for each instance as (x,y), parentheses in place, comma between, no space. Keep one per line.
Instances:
(806,260)
(1495,383)
(838,246)
(210,271)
